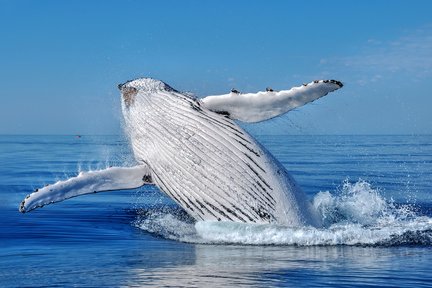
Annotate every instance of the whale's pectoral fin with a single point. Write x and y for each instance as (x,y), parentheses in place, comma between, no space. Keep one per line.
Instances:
(113,178)
(256,107)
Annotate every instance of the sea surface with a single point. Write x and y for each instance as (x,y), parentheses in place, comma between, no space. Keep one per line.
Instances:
(374,194)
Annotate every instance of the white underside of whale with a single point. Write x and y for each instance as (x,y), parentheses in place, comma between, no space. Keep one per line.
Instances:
(194,152)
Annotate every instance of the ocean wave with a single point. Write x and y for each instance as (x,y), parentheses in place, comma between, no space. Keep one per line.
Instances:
(356,214)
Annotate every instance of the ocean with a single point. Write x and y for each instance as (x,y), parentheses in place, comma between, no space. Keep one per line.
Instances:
(373,193)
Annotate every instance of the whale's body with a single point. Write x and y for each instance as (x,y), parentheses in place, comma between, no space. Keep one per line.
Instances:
(194,152)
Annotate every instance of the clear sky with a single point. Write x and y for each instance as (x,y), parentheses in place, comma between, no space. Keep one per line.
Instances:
(61,61)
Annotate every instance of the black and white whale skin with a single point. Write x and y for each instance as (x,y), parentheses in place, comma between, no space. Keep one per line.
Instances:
(193,150)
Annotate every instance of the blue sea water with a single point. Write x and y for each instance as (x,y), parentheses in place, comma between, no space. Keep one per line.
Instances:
(373,192)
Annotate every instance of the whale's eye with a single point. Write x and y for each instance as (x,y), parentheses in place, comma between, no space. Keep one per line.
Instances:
(129,95)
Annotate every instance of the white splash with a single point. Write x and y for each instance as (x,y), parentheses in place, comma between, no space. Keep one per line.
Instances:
(356,215)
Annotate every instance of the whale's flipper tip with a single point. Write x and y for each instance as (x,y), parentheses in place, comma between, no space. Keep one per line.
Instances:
(22,207)
(339,83)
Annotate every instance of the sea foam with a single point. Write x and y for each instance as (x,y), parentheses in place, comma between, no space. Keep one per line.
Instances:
(356,214)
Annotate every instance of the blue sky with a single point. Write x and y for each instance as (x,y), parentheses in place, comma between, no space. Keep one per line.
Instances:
(61,61)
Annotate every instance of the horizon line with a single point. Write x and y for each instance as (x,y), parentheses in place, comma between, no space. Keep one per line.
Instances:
(258,134)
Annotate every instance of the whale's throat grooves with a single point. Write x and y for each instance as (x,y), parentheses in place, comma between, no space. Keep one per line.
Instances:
(208,164)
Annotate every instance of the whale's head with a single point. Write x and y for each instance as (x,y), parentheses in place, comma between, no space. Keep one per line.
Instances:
(147,106)
(139,100)
(141,90)
(141,96)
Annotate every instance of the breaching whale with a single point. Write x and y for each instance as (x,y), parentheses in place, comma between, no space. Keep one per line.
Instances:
(193,150)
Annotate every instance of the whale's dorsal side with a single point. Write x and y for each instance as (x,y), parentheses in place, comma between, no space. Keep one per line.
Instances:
(260,106)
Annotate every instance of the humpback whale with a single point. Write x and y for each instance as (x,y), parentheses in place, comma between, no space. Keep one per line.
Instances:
(194,151)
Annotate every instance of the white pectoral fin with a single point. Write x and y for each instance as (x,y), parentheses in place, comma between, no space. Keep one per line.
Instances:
(256,107)
(113,178)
